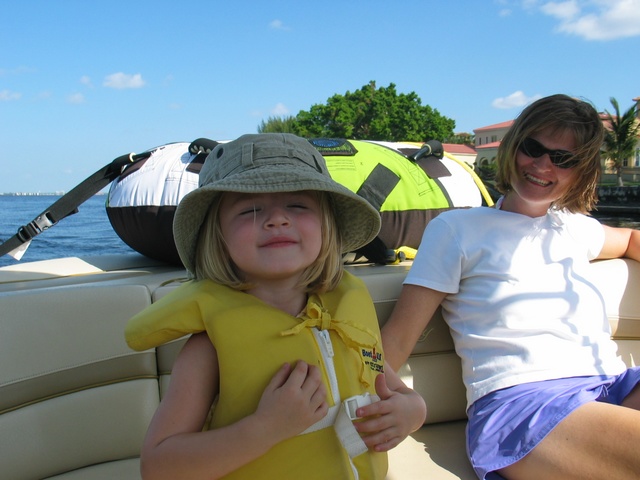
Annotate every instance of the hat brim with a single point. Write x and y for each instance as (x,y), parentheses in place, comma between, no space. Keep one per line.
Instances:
(357,220)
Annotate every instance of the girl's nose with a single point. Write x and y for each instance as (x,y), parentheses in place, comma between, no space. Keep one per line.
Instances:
(277,217)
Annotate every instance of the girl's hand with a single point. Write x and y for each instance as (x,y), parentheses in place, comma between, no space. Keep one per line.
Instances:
(389,421)
(294,400)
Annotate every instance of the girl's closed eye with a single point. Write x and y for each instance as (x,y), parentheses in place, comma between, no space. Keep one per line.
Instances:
(248,210)
(299,205)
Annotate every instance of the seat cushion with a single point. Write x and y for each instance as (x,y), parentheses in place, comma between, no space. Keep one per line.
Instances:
(436,452)
(128,469)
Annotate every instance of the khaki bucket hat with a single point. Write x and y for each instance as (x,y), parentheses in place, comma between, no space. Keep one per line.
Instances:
(270,163)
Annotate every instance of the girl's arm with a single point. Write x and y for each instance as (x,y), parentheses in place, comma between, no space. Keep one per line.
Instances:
(620,242)
(175,446)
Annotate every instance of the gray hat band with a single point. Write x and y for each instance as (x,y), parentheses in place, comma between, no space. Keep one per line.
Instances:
(251,156)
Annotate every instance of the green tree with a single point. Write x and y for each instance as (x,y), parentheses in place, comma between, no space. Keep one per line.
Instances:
(462,139)
(622,137)
(278,125)
(373,113)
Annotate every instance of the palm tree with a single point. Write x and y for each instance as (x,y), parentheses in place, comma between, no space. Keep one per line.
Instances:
(621,138)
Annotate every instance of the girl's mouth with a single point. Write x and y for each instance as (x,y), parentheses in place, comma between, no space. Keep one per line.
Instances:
(279,242)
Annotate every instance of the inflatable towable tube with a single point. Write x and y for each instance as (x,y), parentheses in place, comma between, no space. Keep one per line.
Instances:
(408,183)
(143,199)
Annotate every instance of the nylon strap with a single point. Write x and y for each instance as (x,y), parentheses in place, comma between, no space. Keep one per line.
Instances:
(68,204)
(378,185)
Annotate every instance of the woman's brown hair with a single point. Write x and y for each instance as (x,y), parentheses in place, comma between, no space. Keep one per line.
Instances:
(558,114)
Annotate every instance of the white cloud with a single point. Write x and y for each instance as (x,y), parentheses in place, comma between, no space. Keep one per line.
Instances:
(278,25)
(280,110)
(16,71)
(596,19)
(515,100)
(529,4)
(8,95)
(85,80)
(123,80)
(75,98)
(504,9)
(561,10)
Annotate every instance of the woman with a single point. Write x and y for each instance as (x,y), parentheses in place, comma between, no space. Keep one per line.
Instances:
(547,395)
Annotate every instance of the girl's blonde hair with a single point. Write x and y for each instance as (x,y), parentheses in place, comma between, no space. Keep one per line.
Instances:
(558,114)
(213,261)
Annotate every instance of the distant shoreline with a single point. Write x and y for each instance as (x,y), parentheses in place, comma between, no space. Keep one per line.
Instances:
(602,208)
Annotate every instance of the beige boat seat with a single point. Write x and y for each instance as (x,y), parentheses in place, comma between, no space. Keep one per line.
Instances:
(75,401)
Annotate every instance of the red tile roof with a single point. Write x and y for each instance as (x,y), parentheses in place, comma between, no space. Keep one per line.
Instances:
(459,148)
(488,145)
(496,126)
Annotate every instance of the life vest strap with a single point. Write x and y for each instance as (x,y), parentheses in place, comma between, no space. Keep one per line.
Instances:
(341,417)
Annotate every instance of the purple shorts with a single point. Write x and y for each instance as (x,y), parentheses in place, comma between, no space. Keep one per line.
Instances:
(507,424)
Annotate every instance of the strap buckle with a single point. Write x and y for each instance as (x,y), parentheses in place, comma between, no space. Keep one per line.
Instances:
(38,225)
(352,404)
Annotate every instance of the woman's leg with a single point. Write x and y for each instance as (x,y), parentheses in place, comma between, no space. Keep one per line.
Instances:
(596,441)
(633,399)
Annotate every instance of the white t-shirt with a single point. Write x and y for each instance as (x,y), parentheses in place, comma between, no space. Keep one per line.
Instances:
(521,307)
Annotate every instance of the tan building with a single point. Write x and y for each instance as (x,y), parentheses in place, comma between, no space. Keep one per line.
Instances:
(487,141)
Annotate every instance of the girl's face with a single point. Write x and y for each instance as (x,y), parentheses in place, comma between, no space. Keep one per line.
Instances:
(537,182)
(272,236)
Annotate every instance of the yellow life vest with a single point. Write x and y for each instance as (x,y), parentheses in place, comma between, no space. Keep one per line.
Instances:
(253,340)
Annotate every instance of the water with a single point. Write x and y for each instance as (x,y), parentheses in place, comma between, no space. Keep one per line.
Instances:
(619,220)
(85,233)
(89,231)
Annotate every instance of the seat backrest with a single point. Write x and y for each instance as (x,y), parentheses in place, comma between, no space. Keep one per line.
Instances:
(72,394)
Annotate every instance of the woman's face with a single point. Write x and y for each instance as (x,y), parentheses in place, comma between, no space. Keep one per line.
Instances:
(537,182)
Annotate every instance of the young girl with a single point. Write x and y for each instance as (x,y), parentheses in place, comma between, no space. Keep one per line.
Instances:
(548,397)
(285,344)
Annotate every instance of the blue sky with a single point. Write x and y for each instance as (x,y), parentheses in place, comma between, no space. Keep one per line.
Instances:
(83,82)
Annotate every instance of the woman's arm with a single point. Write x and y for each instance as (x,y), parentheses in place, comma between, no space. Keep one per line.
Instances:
(620,242)
(175,446)
(413,311)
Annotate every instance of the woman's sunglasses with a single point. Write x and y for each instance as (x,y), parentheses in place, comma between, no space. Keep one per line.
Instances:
(560,158)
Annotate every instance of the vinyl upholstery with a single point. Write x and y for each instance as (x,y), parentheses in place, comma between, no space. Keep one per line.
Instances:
(75,401)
